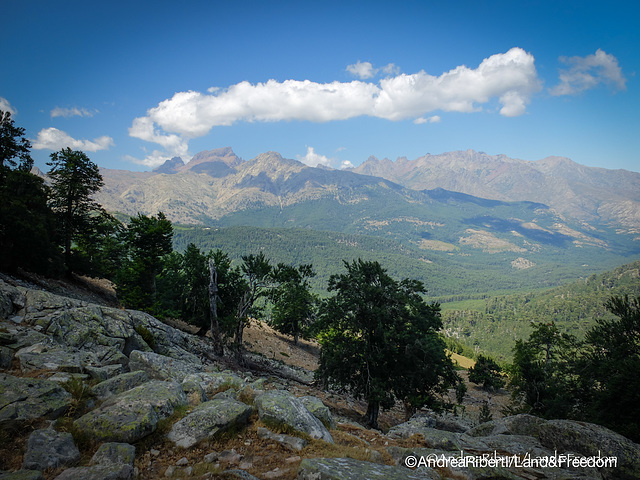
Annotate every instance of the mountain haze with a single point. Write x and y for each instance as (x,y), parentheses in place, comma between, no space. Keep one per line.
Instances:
(583,193)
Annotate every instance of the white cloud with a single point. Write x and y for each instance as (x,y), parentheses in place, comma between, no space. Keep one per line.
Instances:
(345,164)
(362,70)
(71,112)
(432,119)
(6,106)
(152,160)
(588,72)
(510,78)
(390,69)
(314,159)
(54,139)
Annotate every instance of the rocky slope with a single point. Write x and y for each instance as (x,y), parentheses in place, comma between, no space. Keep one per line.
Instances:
(94,392)
(584,193)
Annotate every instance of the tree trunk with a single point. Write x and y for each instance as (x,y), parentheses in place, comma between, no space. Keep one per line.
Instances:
(239,334)
(216,337)
(371,417)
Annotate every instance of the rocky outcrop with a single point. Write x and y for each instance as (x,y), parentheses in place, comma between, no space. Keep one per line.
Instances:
(319,410)
(112,461)
(162,367)
(50,449)
(288,441)
(350,469)
(279,407)
(164,376)
(207,420)
(134,414)
(23,399)
(119,384)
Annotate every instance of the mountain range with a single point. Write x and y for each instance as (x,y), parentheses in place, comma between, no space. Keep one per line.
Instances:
(471,209)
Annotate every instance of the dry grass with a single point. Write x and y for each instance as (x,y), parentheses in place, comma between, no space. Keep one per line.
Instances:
(261,338)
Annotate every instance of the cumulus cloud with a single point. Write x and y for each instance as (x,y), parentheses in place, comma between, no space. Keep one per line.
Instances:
(314,159)
(5,106)
(362,70)
(432,119)
(54,139)
(71,112)
(510,78)
(588,72)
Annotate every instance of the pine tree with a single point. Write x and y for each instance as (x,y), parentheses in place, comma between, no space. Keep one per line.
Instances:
(74,179)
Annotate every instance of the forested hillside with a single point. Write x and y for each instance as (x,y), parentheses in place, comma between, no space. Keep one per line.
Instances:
(493,325)
(448,276)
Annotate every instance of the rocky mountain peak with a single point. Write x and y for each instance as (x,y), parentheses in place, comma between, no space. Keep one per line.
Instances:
(219,162)
(272,162)
(170,166)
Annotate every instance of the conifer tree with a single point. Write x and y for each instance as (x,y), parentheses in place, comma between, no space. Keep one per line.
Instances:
(74,179)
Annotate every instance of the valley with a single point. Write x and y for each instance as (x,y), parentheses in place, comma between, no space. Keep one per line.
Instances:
(472,227)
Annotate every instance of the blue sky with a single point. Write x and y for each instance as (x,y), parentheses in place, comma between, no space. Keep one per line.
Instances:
(134,83)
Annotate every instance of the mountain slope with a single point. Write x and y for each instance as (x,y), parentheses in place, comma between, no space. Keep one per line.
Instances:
(216,189)
(583,193)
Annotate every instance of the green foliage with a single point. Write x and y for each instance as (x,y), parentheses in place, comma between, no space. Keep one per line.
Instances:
(609,369)
(97,251)
(81,394)
(256,271)
(294,304)
(487,373)
(74,179)
(13,145)
(146,240)
(542,379)
(195,288)
(596,380)
(497,323)
(26,225)
(379,340)
(485,414)
(26,222)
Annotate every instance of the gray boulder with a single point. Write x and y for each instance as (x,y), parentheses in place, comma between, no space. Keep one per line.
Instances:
(208,419)
(112,461)
(161,367)
(104,373)
(119,384)
(590,440)
(522,424)
(434,438)
(134,414)
(319,410)
(63,359)
(350,469)
(11,299)
(30,398)
(22,475)
(213,382)
(47,448)
(6,357)
(98,472)
(287,441)
(114,453)
(279,407)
